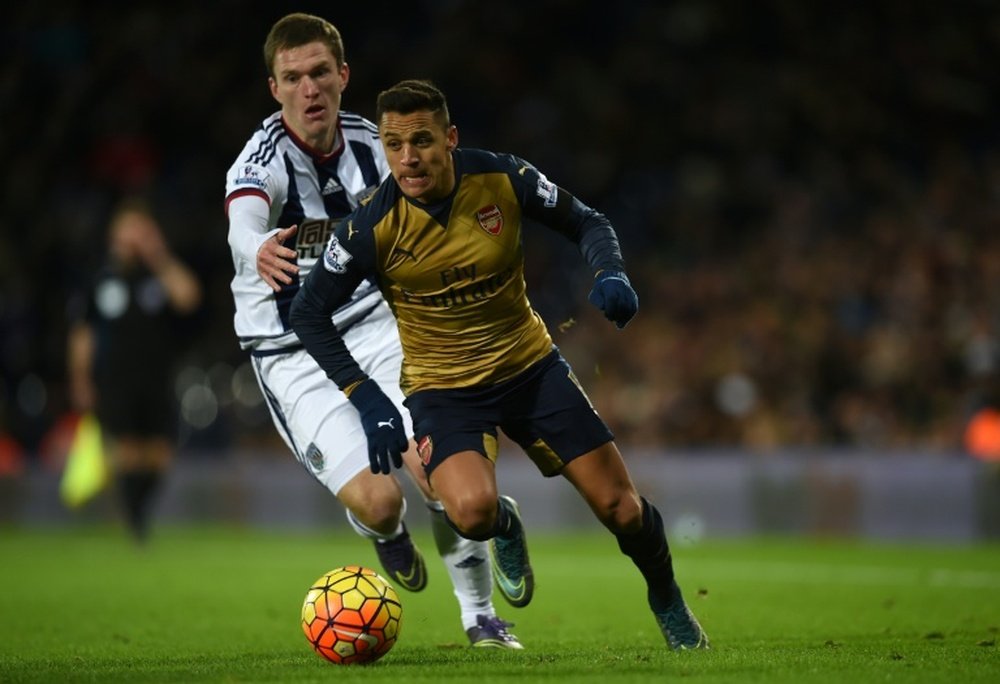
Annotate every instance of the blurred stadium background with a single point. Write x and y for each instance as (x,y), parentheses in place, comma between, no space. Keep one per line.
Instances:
(808,197)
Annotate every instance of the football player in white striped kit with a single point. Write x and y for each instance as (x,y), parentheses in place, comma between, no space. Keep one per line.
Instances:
(307,166)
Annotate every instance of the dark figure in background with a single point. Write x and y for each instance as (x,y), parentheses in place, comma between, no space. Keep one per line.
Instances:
(122,346)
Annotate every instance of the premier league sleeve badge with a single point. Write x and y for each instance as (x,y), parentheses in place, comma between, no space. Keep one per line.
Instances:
(336,258)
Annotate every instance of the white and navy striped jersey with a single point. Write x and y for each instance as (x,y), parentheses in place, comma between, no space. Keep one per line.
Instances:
(300,188)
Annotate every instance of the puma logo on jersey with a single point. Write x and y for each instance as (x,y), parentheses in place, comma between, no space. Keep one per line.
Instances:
(350,230)
(386,423)
(404,252)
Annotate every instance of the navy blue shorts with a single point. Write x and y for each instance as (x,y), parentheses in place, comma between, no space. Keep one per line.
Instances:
(543,409)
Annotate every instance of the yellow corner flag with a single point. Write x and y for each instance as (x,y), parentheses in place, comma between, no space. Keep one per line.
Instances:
(86,472)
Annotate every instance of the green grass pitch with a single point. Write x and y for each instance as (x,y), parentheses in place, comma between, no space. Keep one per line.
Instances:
(222,605)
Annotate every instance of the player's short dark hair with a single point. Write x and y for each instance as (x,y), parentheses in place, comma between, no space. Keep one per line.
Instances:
(413,95)
(297,29)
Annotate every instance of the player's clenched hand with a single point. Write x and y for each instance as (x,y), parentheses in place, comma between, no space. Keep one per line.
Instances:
(383,426)
(275,262)
(613,294)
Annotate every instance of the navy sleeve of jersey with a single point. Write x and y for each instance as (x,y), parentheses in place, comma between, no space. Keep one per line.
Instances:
(328,286)
(551,205)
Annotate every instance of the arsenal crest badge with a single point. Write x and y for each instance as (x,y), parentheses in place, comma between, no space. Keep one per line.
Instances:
(490,219)
(425,447)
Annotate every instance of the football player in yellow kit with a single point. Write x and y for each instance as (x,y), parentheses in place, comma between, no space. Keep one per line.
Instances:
(441,238)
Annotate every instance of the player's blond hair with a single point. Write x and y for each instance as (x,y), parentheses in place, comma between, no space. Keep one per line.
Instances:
(297,29)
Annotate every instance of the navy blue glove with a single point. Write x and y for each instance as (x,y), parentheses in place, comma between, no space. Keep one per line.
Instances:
(383,426)
(613,294)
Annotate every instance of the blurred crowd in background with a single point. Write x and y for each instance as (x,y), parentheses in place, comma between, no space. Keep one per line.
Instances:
(808,198)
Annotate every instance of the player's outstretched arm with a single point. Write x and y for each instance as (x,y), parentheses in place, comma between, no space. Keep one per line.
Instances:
(275,262)
(592,232)
(322,292)
(613,294)
(253,241)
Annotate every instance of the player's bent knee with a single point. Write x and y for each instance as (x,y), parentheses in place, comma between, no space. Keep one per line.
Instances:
(620,512)
(381,516)
(376,502)
(475,521)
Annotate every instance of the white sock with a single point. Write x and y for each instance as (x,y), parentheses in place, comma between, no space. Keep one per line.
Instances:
(369,533)
(468,564)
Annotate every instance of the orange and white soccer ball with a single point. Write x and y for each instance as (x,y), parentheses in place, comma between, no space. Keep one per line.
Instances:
(351,615)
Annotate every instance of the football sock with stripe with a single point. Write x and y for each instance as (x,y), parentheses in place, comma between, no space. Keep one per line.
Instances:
(468,565)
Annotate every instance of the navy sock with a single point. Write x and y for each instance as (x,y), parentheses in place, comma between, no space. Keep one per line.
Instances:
(650,552)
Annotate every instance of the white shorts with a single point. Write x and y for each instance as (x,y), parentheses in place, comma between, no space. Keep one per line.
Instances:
(313,416)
